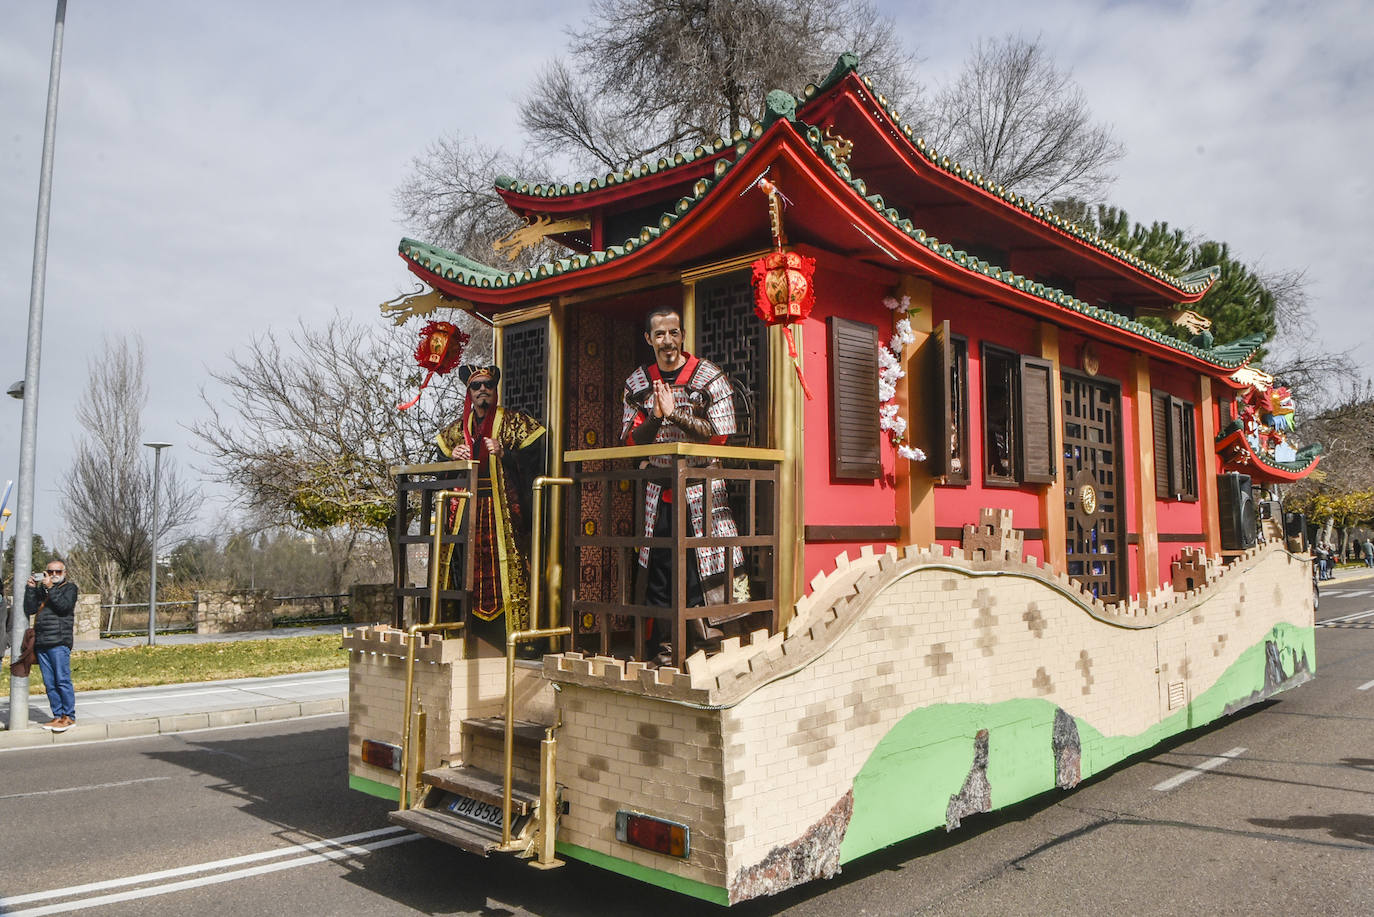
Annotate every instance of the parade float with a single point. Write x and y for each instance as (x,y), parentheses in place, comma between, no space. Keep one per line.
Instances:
(995,528)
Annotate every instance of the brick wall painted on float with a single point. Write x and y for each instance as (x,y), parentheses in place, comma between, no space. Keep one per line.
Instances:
(449,687)
(793,747)
(618,750)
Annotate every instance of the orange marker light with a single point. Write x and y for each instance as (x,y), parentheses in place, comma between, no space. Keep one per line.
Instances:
(656,834)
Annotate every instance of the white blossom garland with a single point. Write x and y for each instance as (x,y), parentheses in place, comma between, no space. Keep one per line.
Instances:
(890,371)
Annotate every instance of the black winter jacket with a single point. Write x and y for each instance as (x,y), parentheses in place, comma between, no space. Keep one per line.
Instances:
(54,624)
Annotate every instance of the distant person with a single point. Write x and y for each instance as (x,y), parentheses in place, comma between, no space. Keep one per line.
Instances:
(50,601)
(1368,552)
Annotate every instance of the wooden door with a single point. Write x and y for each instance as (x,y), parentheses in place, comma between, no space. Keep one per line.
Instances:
(1094,492)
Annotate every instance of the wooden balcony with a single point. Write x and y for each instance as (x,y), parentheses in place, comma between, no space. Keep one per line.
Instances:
(604,511)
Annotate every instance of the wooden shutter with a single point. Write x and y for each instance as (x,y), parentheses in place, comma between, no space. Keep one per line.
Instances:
(854,433)
(1182,450)
(1175,446)
(939,360)
(1037,421)
(1159,403)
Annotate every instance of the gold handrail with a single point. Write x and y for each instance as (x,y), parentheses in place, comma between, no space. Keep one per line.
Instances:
(413,632)
(436,553)
(512,639)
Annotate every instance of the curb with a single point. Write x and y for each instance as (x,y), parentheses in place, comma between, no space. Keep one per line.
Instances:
(35,737)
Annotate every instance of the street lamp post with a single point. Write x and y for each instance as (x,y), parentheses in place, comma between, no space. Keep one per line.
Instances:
(152,579)
(28,432)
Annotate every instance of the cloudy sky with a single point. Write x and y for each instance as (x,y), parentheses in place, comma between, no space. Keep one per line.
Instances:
(226,168)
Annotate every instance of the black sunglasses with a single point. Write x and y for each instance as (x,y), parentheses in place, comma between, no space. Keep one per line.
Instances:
(490,385)
(54,571)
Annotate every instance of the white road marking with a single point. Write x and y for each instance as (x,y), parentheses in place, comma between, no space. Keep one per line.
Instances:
(1190,773)
(78,789)
(330,849)
(1366,686)
(1350,617)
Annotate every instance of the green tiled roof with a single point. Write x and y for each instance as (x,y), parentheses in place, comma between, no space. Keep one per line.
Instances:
(463,270)
(783,104)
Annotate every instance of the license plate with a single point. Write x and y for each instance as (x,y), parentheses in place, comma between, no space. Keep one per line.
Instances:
(481,812)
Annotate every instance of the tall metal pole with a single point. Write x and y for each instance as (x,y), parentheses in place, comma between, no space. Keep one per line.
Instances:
(152,578)
(28,437)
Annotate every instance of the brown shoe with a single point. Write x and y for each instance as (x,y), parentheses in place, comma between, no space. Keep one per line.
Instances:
(63,724)
(53,723)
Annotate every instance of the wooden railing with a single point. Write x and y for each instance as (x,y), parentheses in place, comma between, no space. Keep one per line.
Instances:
(605,525)
(416,509)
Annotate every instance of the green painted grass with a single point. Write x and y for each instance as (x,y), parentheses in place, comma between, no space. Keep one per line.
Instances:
(143,666)
(904,787)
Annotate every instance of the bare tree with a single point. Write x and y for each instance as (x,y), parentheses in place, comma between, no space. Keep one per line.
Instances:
(652,77)
(108,494)
(312,427)
(1015,117)
(1321,379)
(450,199)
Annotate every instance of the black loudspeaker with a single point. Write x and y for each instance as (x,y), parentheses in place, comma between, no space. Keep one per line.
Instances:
(1271,509)
(1236,505)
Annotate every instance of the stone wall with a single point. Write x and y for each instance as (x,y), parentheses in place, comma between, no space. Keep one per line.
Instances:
(87,624)
(233,612)
(371,603)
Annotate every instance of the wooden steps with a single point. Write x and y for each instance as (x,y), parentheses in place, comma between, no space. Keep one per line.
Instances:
(482,785)
(460,833)
(435,816)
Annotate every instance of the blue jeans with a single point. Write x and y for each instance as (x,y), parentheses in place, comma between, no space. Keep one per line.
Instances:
(55,662)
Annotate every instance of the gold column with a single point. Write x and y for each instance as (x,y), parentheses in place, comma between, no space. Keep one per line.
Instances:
(915,486)
(554,423)
(1147,523)
(787,412)
(689,315)
(1207,467)
(1052,497)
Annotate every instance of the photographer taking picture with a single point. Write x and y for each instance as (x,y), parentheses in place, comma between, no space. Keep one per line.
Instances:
(50,601)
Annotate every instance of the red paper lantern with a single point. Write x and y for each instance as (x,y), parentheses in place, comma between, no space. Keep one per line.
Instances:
(784,294)
(441,347)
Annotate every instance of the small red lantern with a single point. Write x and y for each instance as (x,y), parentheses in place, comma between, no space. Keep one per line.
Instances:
(441,347)
(784,292)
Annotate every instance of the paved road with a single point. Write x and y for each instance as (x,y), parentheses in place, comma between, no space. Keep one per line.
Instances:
(1270,812)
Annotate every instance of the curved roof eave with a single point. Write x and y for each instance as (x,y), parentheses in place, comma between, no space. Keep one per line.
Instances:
(805,150)
(989,196)
(1238,455)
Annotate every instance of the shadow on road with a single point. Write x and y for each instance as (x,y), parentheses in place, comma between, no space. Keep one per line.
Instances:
(295,780)
(1340,826)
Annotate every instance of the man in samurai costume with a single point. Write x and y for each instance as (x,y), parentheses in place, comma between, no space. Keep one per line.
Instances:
(682,398)
(508,448)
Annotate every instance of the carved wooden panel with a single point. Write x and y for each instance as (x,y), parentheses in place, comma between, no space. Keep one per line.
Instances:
(1093,486)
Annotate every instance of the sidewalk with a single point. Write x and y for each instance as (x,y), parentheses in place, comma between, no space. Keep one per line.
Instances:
(164,709)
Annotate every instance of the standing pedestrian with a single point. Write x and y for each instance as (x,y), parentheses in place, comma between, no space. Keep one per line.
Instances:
(50,601)
(1368,552)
